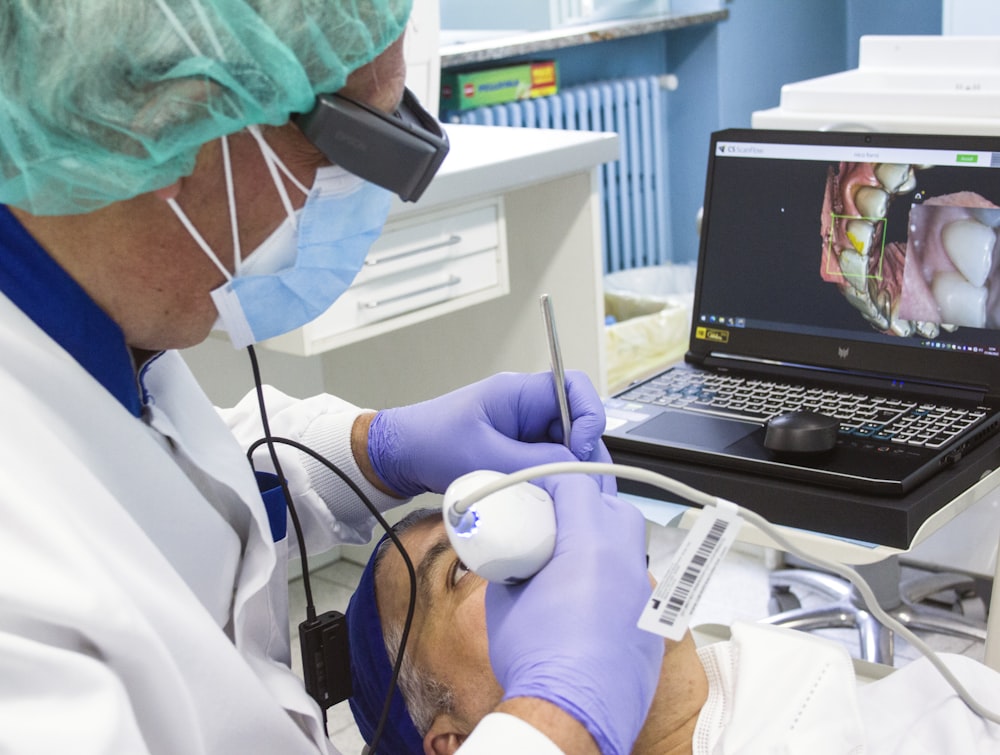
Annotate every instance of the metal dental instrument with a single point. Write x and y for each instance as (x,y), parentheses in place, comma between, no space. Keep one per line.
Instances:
(555,357)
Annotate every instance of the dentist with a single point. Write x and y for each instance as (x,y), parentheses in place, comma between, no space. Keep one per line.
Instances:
(153,182)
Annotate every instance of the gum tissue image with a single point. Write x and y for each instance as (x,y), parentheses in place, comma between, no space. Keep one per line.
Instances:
(941,276)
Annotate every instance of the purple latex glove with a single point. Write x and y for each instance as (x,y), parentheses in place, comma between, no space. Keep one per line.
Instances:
(505,423)
(568,635)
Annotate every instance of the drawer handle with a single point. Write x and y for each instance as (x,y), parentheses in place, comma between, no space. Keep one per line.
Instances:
(450,241)
(452,280)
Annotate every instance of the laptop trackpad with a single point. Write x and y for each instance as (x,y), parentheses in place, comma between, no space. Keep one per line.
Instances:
(695,430)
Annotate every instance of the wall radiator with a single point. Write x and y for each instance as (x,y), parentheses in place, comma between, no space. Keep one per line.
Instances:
(635,214)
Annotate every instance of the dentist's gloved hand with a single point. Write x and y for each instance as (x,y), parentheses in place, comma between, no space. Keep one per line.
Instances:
(568,635)
(505,423)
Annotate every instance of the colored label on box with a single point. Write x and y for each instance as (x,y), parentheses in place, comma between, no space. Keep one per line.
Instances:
(544,79)
(471,89)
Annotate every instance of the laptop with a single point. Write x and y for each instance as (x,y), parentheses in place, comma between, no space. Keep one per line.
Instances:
(849,275)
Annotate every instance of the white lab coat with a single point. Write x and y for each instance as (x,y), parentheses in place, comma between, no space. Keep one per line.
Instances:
(143,602)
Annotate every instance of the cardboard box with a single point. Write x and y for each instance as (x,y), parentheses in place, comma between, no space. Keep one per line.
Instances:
(464,90)
(651,312)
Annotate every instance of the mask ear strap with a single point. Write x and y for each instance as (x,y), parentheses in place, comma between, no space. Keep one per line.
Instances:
(265,147)
(234,225)
(231,196)
(273,165)
(196,235)
(273,162)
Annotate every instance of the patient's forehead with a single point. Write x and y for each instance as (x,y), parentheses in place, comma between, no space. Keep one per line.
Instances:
(392,581)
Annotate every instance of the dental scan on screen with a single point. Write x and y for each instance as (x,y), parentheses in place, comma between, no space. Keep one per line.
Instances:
(913,248)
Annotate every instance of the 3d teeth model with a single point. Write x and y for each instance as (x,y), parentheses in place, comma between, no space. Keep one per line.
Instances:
(943,275)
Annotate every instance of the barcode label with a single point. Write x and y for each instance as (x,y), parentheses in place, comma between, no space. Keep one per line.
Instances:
(669,609)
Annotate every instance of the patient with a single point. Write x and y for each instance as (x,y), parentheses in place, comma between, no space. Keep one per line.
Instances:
(767,689)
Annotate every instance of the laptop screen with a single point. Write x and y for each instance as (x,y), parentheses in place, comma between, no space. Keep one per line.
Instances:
(855,253)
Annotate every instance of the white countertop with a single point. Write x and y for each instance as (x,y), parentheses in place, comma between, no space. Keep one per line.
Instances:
(487,160)
(478,46)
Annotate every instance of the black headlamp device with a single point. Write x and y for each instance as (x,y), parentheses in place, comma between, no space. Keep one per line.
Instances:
(400,152)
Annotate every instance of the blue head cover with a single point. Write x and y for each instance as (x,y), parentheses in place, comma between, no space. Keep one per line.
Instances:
(371,672)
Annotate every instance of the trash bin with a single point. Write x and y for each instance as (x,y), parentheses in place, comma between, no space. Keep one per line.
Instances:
(648,315)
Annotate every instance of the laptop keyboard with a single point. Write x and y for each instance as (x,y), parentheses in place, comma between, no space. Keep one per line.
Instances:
(861,415)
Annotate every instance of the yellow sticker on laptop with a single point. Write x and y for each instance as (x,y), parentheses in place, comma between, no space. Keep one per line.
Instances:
(711,334)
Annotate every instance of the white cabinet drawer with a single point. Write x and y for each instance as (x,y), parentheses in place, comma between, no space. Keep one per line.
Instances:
(394,295)
(421,267)
(430,241)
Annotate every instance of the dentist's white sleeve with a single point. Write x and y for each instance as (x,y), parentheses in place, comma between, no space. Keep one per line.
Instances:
(502,734)
(329,510)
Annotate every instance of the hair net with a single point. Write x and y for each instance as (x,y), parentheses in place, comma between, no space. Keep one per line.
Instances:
(101,100)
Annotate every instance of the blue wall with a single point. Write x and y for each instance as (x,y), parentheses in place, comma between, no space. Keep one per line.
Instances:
(890,17)
(729,69)
(733,68)
(767,43)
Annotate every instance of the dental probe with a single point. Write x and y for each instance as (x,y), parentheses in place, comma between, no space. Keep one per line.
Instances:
(555,357)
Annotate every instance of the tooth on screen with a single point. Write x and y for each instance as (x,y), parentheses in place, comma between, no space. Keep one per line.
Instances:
(908,185)
(871,202)
(854,267)
(960,302)
(903,328)
(970,247)
(859,233)
(892,175)
(860,301)
(928,329)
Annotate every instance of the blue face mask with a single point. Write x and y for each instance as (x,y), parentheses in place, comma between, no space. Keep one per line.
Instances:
(309,261)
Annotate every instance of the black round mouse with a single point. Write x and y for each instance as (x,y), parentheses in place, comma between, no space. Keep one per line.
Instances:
(801,433)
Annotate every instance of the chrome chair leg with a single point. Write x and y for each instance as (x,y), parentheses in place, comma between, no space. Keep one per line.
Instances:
(845,608)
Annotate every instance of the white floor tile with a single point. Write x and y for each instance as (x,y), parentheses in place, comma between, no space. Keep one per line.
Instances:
(343,731)
(343,572)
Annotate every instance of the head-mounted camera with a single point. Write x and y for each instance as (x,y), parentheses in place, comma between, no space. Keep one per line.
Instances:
(400,151)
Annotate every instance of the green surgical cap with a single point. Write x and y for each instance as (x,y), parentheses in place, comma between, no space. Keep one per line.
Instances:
(101,100)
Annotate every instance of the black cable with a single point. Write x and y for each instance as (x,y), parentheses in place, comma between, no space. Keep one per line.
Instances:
(265,425)
(270,441)
(383,718)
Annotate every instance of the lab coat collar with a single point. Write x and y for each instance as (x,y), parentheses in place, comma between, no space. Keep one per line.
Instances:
(58,305)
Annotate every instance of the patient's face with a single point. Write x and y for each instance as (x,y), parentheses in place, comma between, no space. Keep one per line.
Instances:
(448,641)
(448,638)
